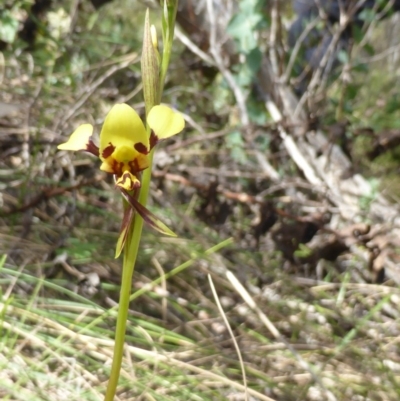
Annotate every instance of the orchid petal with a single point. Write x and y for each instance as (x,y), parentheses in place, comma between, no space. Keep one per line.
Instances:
(165,122)
(79,140)
(128,181)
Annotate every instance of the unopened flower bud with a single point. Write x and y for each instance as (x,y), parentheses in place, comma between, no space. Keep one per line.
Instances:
(154,39)
(150,68)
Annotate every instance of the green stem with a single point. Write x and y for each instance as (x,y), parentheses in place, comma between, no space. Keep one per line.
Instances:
(130,254)
(164,65)
(167,39)
(128,267)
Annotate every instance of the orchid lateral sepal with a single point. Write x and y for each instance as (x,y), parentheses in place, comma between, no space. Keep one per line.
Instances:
(80,139)
(150,218)
(123,234)
(131,206)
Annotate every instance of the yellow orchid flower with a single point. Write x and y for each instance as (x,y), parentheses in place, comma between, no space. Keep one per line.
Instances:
(124,144)
(124,152)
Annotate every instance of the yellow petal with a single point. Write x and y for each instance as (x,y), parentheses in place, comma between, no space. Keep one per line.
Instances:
(122,127)
(79,140)
(165,122)
(105,166)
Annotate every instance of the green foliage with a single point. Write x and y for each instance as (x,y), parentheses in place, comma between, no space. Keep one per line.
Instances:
(221,95)
(244,25)
(303,251)
(343,56)
(8,26)
(79,250)
(367,15)
(244,28)
(234,142)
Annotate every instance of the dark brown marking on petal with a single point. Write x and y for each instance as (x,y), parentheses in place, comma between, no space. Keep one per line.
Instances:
(119,166)
(92,148)
(133,166)
(141,148)
(153,139)
(126,177)
(116,166)
(108,150)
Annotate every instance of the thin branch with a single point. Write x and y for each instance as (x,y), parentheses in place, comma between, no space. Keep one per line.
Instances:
(215,50)
(193,47)
(89,91)
(272,37)
(297,47)
(221,311)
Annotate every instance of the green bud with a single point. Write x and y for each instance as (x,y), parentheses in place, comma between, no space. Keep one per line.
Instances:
(150,68)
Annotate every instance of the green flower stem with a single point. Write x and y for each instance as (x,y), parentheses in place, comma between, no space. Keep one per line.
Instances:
(130,255)
(164,65)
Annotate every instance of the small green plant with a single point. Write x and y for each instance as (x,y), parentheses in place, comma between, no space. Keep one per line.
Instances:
(8,26)
(243,27)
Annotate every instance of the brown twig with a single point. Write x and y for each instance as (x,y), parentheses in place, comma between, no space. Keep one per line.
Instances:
(46,194)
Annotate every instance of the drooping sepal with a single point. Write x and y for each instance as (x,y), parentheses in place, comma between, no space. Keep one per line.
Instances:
(123,233)
(148,217)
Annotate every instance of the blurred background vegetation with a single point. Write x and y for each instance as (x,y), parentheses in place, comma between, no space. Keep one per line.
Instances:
(325,321)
